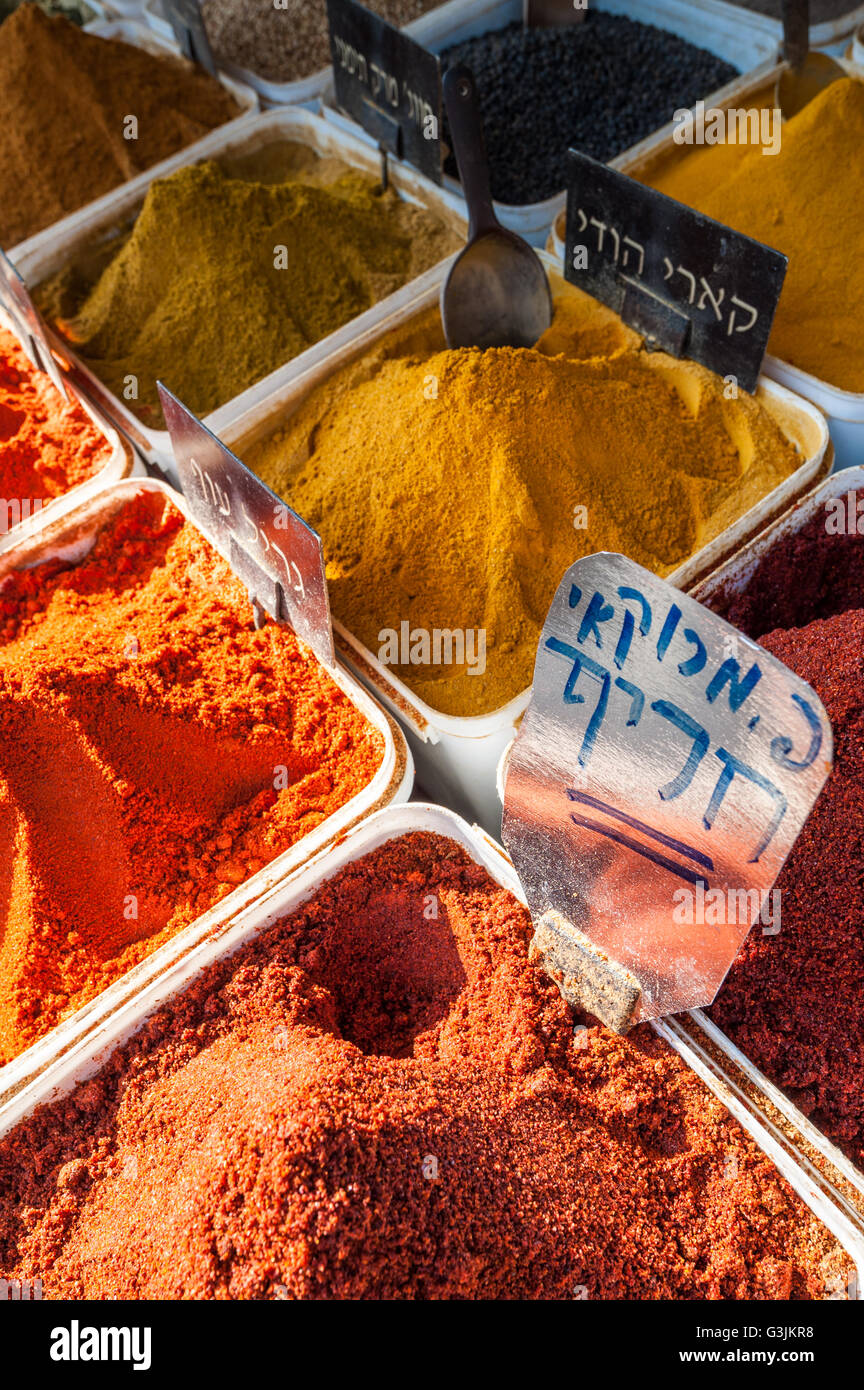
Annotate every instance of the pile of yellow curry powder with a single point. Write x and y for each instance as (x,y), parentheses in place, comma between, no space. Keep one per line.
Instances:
(453,488)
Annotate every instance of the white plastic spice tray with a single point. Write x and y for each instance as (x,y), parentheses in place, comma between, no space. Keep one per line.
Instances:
(844,409)
(52,251)
(71,537)
(82,1059)
(721,28)
(456,757)
(305,91)
(728,578)
(121,463)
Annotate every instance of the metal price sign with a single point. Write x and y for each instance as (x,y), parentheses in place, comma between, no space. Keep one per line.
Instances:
(690,285)
(279,558)
(662,772)
(388,83)
(26,323)
(186,20)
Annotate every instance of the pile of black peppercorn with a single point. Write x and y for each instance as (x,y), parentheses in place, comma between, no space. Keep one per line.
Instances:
(599,86)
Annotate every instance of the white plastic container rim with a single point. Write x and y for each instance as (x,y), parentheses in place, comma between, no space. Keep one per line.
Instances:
(724,29)
(46,254)
(81,1061)
(280,394)
(839,404)
(120,464)
(734,574)
(824,35)
(393,782)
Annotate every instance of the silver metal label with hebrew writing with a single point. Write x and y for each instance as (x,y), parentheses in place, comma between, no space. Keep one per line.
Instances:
(277,555)
(27,323)
(662,772)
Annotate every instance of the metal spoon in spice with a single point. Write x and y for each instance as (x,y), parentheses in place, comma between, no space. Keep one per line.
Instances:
(806,74)
(497,293)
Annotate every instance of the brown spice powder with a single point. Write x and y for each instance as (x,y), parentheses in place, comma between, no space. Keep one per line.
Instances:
(374,1101)
(66,97)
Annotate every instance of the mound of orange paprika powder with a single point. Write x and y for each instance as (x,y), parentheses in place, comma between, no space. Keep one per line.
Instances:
(47,445)
(794,1002)
(381,1097)
(155,751)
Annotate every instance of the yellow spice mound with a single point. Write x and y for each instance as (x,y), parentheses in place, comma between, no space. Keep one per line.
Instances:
(806,202)
(446,484)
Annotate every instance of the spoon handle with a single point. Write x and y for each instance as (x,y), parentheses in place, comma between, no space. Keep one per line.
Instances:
(466,132)
(796,31)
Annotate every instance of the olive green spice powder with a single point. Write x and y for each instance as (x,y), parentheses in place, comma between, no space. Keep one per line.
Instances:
(223,279)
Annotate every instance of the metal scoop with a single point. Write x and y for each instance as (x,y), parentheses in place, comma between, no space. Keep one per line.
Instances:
(497,293)
(808,73)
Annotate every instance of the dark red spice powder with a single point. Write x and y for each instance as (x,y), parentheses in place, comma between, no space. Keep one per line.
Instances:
(155,752)
(47,446)
(812,574)
(794,1002)
(374,1101)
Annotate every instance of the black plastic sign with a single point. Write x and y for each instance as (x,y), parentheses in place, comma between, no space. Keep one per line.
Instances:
(277,555)
(690,285)
(186,20)
(388,83)
(26,323)
(661,774)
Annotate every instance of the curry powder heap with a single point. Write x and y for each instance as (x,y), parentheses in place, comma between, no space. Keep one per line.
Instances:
(366,1103)
(226,276)
(155,751)
(453,488)
(66,99)
(805,201)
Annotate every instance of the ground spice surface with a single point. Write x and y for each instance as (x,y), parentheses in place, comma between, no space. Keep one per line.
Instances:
(47,445)
(795,1002)
(273,253)
(490,472)
(804,201)
(286,42)
(155,751)
(371,1101)
(66,97)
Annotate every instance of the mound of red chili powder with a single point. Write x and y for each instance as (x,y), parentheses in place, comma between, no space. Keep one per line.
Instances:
(155,751)
(380,1097)
(794,1002)
(47,446)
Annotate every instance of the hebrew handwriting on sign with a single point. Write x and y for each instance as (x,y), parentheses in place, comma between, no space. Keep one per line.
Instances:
(617,240)
(255,535)
(621,624)
(712,300)
(698,292)
(688,284)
